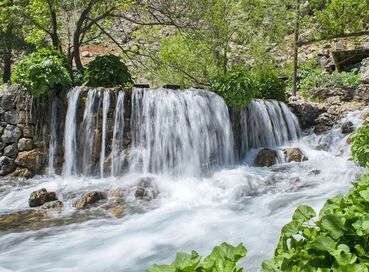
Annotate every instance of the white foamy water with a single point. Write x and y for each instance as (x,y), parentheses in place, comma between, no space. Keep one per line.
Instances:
(238,203)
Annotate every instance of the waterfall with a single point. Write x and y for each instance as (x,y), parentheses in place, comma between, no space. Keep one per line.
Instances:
(267,123)
(170,132)
(118,137)
(106,104)
(53,137)
(88,133)
(180,132)
(70,132)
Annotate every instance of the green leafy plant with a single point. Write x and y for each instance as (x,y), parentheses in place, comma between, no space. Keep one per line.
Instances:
(107,71)
(360,145)
(223,258)
(268,84)
(42,71)
(337,241)
(236,87)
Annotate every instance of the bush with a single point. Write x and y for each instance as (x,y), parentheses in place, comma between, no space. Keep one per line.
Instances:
(41,71)
(313,76)
(107,71)
(236,87)
(360,145)
(268,84)
(338,241)
(222,258)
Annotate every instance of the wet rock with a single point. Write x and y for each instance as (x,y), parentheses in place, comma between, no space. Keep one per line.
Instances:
(347,128)
(294,154)
(11,151)
(29,159)
(21,219)
(116,192)
(28,131)
(322,147)
(314,172)
(266,158)
(320,129)
(7,166)
(88,199)
(56,204)
(305,111)
(11,134)
(22,172)
(25,144)
(40,197)
(116,211)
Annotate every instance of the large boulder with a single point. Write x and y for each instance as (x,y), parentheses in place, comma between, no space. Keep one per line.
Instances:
(40,197)
(324,93)
(266,158)
(29,159)
(294,154)
(7,166)
(88,199)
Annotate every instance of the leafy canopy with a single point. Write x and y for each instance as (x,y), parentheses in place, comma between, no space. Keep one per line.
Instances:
(42,71)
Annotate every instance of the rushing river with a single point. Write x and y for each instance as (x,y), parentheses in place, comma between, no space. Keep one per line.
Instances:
(232,202)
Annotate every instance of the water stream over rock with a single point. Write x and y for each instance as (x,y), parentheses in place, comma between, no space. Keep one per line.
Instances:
(179,148)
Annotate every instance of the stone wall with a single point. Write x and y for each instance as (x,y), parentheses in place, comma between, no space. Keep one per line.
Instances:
(21,154)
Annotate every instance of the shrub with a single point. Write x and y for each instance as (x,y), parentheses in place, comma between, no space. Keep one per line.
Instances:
(313,76)
(360,145)
(41,71)
(337,241)
(107,71)
(268,84)
(222,258)
(236,87)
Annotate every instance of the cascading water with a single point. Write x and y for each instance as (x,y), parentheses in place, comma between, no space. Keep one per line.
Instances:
(180,132)
(267,124)
(70,132)
(106,104)
(177,136)
(53,137)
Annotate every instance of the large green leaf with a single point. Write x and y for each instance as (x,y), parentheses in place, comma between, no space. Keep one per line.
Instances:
(334,225)
(303,213)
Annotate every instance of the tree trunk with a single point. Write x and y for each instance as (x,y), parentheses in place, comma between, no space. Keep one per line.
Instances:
(54,24)
(296,49)
(8,56)
(76,51)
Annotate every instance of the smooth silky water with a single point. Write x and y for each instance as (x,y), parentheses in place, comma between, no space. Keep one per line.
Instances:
(183,142)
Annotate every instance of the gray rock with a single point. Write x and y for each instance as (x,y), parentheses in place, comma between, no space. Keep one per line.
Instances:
(266,158)
(364,71)
(56,204)
(8,101)
(25,144)
(10,117)
(347,128)
(2,145)
(28,131)
(11,151)
(7,166)
(38,198)
(11,134)
(306,112)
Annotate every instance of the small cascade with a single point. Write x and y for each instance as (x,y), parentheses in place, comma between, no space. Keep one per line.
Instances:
(70,132)
(180,132)
(88,132)
(267,123)
(117,156)
(106,104)
(53,137)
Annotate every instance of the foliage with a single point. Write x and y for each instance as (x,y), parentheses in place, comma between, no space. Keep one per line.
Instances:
(313,76)
(41,71)
(107,71)
(360,145)
(337,241)
(268,84)
(236,87)
(223,258)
